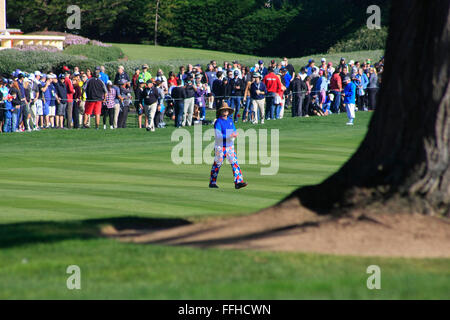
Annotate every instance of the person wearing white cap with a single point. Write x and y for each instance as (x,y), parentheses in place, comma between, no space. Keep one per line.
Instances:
(349,99)
(36,102)
(257,93)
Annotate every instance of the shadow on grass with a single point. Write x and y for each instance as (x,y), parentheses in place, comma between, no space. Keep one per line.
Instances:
(16,234)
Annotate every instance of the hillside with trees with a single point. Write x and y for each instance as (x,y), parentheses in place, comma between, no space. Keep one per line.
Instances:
(260,27)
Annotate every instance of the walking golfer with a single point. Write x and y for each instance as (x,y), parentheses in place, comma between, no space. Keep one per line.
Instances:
(225,132)
(349,99)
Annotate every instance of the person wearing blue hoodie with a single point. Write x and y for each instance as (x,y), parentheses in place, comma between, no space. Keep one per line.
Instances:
(361,82)
(349,99)
(9,109)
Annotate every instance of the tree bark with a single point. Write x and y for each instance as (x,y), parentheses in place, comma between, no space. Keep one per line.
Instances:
(403,162)
(156,23)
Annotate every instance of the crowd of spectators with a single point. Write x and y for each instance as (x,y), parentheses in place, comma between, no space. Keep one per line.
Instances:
(37,101)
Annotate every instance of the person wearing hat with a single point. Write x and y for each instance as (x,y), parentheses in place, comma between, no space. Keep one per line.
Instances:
(349,95)
(61,101)
(145,74)
(138,104)
(36,99)
(126,99)
(8,112)
(237,90)
(149,98)
(225,133)
(236,68)
(189,102)
(257,93)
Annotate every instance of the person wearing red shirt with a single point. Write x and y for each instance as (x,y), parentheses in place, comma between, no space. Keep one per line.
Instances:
(336,89)
(273,85)
(70,92)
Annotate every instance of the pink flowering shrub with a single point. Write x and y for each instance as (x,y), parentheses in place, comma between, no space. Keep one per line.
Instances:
(72,39)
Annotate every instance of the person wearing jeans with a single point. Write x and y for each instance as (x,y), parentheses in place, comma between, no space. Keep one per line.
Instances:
(336,90)
(237,88)
(273,85)
(178,94)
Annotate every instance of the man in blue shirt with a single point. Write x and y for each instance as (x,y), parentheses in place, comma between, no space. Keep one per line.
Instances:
(103,76)
(225,132)
(349,99)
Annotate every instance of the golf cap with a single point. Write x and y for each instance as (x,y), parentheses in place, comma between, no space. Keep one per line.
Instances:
(141,81)
(236,73)
(351,62)
(76,73)
(20,76)
(61,76)
(260,62)
(311,61)
(235,62)
(323,60)
(149,81)
(342,59)
(98,69)
(145,66)
(37,73)
(256,75)
(346,79)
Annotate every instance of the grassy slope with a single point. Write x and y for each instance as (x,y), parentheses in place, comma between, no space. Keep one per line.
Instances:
(72,176)
(178,56)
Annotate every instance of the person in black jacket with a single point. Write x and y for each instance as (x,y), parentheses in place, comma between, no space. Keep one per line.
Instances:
(189,102)
(95,90)
(121,75)
(61,101)
(216,88)
(237,89)
(149,98)
(298,89)
(178,95)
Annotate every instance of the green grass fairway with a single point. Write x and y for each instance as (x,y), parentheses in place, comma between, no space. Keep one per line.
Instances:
(174,57)
(161,53)
(58,187)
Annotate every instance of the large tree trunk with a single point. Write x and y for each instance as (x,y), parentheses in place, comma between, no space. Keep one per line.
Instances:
(403,162)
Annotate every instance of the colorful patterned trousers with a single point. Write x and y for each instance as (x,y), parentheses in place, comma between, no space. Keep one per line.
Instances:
(230,154)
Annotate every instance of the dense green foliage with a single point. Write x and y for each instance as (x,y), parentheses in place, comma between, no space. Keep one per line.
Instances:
(286,27)
(95,52)
(44,61)
(363,39)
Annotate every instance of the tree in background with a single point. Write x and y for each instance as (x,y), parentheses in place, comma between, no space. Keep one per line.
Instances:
(284,27)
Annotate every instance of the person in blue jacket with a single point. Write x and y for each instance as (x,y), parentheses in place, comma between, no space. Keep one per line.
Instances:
(9,109)
(349,99)
(225,133)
